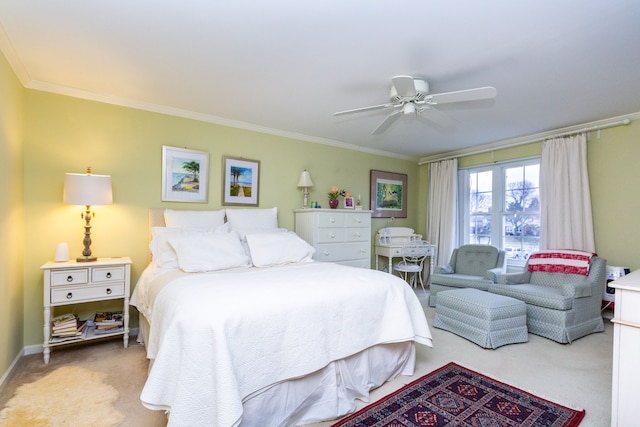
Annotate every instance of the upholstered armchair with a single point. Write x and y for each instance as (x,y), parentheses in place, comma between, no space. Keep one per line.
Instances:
(560,306)
(471,266)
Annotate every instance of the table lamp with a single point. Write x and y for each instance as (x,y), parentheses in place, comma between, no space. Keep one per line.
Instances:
(305,182)
(87,190)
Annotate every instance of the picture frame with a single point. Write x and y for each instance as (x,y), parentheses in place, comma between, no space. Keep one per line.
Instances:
(241,179)
(388,194)
(185,175)
(348,203)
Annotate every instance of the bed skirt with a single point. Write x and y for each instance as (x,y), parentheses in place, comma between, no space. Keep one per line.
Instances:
(325,394)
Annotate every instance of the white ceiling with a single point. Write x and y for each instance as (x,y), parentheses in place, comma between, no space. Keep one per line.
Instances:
(284,66)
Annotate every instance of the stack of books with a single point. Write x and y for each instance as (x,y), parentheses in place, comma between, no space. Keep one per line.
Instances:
(66,326)
(108,322)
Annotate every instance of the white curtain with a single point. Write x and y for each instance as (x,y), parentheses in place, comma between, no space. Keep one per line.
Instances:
(441,208)
(565,200)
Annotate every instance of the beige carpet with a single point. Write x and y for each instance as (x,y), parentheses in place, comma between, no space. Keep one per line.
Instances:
(68,395)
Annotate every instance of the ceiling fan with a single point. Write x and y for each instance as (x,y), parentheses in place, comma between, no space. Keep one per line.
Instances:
(411,96)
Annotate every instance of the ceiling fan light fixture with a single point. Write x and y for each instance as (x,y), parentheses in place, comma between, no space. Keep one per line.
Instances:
(409,108)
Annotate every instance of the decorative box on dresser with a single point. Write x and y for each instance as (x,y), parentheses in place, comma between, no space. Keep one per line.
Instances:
(625,411)
(71,283)
(338,235)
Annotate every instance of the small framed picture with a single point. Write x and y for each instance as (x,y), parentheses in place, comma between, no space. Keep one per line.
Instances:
(185,174)
(240,179)
(348,203)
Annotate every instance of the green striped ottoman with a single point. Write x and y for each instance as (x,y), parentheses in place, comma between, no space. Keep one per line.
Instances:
(487,319)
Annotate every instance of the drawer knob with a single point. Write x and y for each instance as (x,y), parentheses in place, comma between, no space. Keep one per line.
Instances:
(69,279)
(332,220)
(69,295)
(108,291)
(333,236)
(109,275)
(326,253)
(358,234)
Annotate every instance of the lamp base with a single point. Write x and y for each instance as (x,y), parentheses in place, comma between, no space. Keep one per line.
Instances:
(86,259)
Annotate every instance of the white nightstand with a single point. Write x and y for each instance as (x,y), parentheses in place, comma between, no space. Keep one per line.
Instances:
(74,282)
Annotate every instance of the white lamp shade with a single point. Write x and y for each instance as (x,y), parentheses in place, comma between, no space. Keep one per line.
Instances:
(305,180)
(87,190)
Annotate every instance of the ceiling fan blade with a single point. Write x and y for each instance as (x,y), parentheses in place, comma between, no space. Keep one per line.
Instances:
(391,118)
(462,95)
(359,110)
(404,85)
(436,116)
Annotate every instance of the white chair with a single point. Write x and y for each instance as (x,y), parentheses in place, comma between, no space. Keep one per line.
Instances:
(412,264)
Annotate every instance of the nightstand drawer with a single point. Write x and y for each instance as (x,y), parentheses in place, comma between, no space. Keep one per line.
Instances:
(107,274)
(86,293)
(69,277)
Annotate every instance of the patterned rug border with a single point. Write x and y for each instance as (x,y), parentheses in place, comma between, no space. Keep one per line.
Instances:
(573,422)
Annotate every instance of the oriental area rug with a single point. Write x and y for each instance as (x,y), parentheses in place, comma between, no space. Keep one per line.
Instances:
(456,396)
(68,396)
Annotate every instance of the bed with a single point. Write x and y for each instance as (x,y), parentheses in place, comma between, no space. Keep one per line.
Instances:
(243,328)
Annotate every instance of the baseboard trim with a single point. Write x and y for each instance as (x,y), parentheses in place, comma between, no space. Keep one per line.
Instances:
(11,370)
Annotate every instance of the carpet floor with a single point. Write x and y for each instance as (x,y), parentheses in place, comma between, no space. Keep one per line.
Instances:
(576,375)
(454,395)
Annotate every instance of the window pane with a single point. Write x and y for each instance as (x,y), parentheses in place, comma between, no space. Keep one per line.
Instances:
(480,229)
(480,185)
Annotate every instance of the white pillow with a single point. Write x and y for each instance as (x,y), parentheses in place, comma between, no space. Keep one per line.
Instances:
(268,249)
(163,254)
(200,251)
(193,219)
(253,218)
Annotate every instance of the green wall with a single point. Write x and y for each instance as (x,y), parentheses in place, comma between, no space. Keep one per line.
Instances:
(11,217)
(64,134)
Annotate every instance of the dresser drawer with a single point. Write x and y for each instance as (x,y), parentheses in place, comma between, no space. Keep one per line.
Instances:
(107,274)
(331,235)
(331,219)
(344,251)
(357,235)
(86,293)
(358,220)
(69,277)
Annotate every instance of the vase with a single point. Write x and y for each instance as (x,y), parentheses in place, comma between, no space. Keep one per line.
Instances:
(334,203)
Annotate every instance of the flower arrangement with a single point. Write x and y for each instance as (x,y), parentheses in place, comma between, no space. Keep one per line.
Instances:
(335,193)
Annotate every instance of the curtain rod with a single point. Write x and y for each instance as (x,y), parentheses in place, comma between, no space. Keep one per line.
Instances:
(538,137)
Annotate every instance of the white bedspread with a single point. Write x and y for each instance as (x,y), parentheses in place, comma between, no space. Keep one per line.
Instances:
(217,338)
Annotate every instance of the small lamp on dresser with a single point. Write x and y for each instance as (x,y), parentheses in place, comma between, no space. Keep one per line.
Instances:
(87,190)
(305,182)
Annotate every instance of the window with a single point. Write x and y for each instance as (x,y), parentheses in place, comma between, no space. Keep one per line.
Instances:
(500,206)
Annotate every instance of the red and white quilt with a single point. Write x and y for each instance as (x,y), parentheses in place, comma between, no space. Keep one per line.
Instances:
(567,261)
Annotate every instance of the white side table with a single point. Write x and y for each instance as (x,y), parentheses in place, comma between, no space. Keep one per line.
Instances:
(74,282)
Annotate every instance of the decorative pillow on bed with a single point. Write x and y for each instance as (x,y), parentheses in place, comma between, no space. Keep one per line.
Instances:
(253,218)
(268,249)
(200,251)
(209,220)
(163,254)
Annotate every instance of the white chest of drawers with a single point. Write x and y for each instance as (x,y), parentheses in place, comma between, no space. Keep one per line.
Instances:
(625,410)
(70,283)
(338,235)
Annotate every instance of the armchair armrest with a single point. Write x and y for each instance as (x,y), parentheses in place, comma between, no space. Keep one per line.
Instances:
(512,278)
(443,269)
(577,289)
(493,274)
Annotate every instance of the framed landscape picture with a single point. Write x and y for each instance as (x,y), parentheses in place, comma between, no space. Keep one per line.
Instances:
(388,194)
(240,181)
(185,174)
